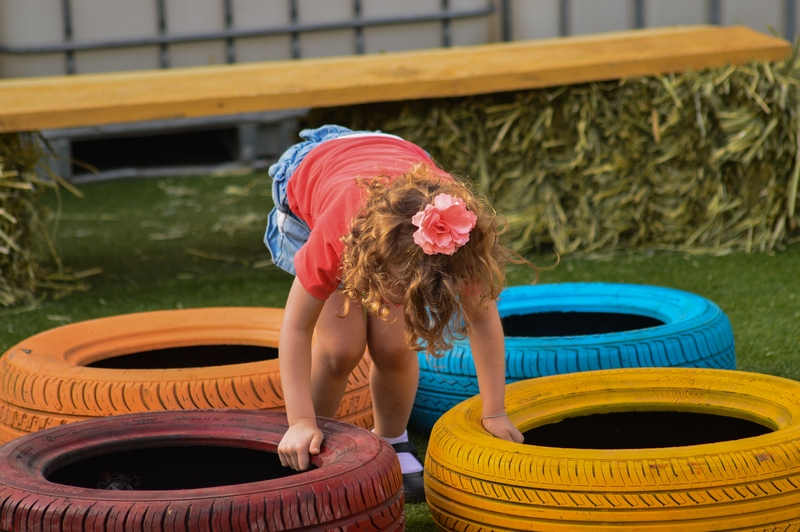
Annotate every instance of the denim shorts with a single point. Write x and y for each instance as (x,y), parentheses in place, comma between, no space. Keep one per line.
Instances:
(286,233)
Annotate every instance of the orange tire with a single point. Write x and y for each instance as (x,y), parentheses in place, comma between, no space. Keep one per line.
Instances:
(90,369)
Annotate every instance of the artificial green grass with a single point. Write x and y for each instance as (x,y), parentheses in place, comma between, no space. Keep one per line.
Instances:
(161,244)
(758,292)
(197,242)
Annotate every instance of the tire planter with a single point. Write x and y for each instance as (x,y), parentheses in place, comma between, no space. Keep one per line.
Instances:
(204,470)
(739,469)
(164,360)
(553,329)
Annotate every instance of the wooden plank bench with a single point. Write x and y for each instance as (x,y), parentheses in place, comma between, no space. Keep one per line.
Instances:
(28,104)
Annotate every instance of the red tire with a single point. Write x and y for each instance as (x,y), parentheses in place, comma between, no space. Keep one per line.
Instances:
(49,480)
(126,364)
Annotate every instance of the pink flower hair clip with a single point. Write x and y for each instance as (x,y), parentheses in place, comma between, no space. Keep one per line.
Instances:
(444,225)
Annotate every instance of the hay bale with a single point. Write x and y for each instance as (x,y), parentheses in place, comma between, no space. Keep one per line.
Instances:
(698,162)
(25,247)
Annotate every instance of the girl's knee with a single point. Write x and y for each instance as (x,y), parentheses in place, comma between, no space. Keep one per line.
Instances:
(393,357)
(339,361)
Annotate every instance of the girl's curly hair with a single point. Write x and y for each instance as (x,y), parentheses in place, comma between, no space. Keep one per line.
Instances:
(382,265)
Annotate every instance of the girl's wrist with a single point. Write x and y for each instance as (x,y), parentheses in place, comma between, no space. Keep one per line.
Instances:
(490,416)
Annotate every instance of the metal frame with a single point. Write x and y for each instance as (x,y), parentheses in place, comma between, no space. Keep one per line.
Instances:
(66,17)
(229,35)
(563,18)
(163,56)
(638,14)
(715,12)
(507,31)
(295,28)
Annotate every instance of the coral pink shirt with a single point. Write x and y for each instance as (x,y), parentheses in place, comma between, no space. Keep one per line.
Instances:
(323,192)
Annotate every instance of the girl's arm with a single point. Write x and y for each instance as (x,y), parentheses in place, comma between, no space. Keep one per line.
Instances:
(303,438)
(488,350)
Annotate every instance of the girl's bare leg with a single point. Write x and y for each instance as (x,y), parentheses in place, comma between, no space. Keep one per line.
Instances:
(393,380)
(394,375)
(338,347)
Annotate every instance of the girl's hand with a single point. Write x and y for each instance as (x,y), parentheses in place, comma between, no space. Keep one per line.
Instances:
(501,427)
(298,444)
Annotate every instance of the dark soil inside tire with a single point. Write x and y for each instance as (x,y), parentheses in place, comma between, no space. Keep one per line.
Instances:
(171,468)
(642,430)
(192,356)
(543,324)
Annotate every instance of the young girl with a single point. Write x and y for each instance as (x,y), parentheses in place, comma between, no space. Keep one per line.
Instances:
(388,253)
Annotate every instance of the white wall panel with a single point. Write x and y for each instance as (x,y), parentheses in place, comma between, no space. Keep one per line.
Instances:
(121,59)
(675,12)
(407,36)
(326,43)
(187,17)
(539,19)
(251,14)
(197,54)
(386,8)
(474,31)
(30,22)
(481,30)
(759,15)
(113,19)
(593,16)
(20,66)
(101,20)
(796,22)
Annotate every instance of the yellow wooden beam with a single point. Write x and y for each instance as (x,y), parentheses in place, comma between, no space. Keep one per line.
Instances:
(95,99)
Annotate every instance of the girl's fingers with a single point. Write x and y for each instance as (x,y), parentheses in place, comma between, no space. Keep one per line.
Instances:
(302,462)
(289,460)
(286,460)
(316,442)
(502,428)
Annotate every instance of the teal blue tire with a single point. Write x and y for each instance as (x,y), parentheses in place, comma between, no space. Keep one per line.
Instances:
(553,329)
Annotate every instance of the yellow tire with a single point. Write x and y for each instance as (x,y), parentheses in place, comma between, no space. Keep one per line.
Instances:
(475,482)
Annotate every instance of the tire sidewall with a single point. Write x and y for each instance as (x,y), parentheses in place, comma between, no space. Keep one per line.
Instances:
(48,373)
(26,462)
(736,484)
(688,319)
